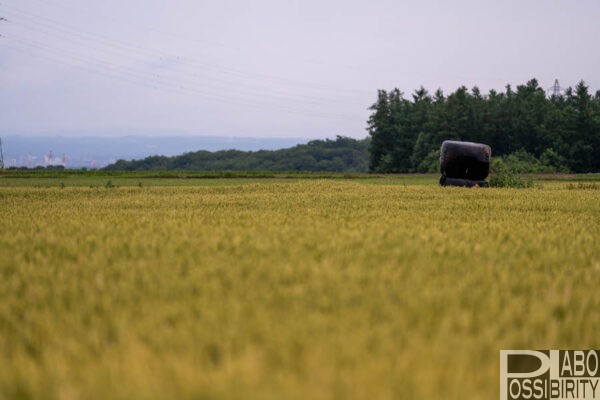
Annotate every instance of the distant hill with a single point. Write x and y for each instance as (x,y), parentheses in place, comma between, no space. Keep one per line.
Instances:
(343,154)
(22,150)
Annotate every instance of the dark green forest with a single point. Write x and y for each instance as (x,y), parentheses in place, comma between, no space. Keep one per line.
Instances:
(524,126)
(342,154)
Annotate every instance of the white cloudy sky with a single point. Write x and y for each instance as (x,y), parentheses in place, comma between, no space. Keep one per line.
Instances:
(276,68)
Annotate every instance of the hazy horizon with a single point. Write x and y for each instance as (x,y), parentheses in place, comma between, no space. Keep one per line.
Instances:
(99,151)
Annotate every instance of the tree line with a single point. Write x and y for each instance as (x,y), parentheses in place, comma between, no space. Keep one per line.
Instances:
(527,130)
(342,154)
(559,133)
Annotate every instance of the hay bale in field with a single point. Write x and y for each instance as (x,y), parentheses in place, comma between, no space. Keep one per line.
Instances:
(465,160)
(464,163)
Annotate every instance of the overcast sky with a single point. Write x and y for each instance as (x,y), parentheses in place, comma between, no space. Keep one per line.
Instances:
(272,68)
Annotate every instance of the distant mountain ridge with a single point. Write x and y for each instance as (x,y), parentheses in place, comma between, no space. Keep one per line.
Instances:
(343,154)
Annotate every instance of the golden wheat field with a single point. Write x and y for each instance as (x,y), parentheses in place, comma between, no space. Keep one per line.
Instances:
(298,289)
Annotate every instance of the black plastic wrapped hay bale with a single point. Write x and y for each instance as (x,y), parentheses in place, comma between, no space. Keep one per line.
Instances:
(464,163)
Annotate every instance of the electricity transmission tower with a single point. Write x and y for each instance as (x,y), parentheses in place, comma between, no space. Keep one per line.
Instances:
(555,89)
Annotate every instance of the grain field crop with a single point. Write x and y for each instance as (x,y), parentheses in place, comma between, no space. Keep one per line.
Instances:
(307,289)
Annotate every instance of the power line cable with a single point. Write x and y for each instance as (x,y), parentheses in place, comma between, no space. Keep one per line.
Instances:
(165,86)
(192,61)
(190,78)
(145,28)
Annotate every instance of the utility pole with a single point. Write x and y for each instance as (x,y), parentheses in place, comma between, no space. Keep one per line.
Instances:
(1,156)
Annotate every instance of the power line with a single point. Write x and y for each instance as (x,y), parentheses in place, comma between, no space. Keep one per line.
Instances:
(143,78)
(48,22)
(76,39)
(145,28)
(165,86)
(182,78)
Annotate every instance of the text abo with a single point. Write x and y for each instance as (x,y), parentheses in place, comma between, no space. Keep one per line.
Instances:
(549,374)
